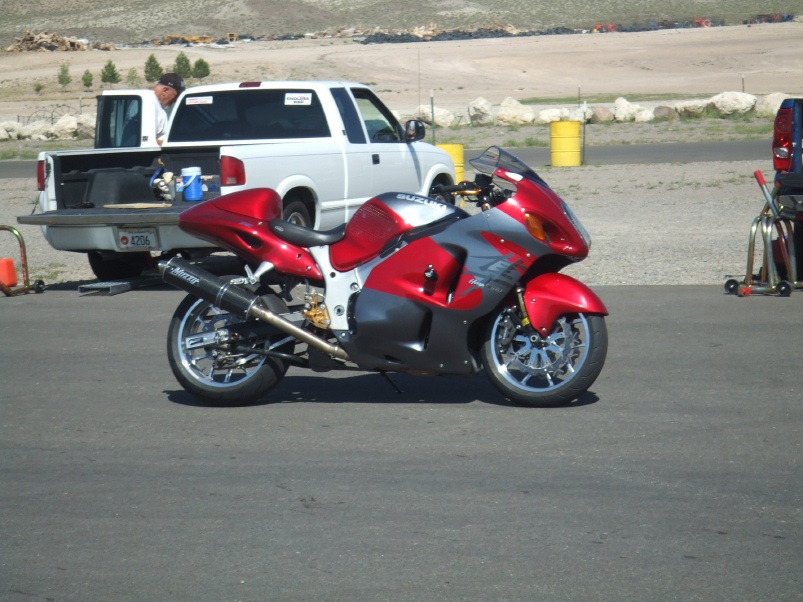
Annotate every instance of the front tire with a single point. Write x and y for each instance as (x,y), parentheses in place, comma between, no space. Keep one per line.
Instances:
(209,367)
(545,371)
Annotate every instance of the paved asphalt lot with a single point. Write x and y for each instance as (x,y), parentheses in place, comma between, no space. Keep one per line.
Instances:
(677,478)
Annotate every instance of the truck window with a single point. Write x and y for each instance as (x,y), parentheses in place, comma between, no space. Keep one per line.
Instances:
(249,114)
(119,122)
(349,115)
(379,122)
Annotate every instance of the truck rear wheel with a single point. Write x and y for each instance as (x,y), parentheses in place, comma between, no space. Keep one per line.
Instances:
(296,211)
(115,266)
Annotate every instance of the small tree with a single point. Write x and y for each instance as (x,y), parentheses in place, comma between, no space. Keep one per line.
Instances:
(200,69)
(38,87)
(64,76)
(109,74)
(153,70)
(132,79)
(182,66)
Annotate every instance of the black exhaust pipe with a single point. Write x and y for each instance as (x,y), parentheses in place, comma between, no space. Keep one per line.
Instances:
(230,297)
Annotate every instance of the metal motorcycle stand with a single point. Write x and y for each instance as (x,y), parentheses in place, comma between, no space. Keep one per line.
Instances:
(37,287)
(777,218)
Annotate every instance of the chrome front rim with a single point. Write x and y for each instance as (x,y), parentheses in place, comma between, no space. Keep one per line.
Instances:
(534,363)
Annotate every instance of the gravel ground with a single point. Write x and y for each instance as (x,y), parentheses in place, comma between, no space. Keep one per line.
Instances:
(651,224)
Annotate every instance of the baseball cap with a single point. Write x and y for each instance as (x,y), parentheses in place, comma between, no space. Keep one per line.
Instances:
(173,80)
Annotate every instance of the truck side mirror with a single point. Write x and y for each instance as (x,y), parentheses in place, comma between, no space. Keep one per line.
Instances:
(414,130)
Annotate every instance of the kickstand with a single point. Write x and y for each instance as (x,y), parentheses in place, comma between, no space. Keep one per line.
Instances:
(386,376)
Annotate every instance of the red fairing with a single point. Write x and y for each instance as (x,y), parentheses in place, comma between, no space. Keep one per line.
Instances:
(549,296)
(544,203)
(372,226)
(238,222)
(402,274)
(520,257)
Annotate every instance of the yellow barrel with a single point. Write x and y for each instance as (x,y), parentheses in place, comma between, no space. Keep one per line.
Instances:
(564,140)
(456,153)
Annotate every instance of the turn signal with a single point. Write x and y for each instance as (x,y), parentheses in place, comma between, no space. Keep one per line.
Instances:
(535,228)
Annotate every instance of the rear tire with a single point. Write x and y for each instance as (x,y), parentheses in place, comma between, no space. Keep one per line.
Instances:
(218,375)
(544,371)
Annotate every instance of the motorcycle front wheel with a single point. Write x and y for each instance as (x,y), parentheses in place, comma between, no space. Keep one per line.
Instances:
(219,358)
(546,371)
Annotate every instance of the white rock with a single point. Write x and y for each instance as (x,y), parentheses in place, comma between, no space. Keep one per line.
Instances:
(86,126)
(65,128)
(4,135)
(733,103)
(512,112)
(36,130)
(549,115)
(644,116)
(480,112)
(439,117)
(691,108)
(13,128)
(582,114)
(767,106)
(624,111)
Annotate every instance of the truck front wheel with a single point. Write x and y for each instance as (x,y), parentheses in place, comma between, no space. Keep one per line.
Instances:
(115,266)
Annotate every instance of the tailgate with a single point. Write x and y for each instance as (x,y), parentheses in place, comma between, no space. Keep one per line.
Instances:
(106,217)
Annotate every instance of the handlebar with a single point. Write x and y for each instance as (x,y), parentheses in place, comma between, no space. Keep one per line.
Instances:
(464,187)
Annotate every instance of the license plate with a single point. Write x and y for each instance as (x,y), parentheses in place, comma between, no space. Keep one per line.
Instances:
(141,239)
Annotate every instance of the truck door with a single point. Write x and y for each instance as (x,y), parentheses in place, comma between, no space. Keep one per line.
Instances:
(394,165)
(357,156)
(120,120)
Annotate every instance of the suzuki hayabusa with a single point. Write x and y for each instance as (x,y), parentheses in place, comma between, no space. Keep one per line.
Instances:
(410,284)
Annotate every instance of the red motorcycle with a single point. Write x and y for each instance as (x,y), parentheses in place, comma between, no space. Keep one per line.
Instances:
(410,284)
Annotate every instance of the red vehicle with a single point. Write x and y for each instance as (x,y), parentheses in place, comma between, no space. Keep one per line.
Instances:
(410,284)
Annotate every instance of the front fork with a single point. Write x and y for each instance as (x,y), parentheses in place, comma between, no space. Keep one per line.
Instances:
(525,320)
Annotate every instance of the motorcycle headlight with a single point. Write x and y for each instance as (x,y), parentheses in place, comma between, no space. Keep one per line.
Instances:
(577,224)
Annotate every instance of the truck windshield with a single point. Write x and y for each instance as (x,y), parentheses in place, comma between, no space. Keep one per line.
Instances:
(248,114)
(119,122)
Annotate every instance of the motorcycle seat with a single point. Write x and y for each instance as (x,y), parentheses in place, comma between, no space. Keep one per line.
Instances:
(304,236)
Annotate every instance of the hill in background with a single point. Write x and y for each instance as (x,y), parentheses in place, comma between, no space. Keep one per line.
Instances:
(134,21)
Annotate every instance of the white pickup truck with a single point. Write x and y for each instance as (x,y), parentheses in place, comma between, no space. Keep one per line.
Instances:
(325,147)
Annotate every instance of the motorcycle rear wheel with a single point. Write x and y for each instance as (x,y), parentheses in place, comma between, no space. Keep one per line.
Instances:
(217,376)
(545,371)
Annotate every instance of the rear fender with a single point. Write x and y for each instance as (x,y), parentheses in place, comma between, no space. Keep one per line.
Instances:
(549,296)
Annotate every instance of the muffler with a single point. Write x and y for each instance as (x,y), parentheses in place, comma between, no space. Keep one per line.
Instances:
(230,297)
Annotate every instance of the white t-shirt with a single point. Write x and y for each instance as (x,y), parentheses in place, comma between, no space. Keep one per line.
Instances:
(161,117)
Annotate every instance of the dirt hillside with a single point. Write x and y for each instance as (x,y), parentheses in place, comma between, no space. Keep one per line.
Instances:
(760,59)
